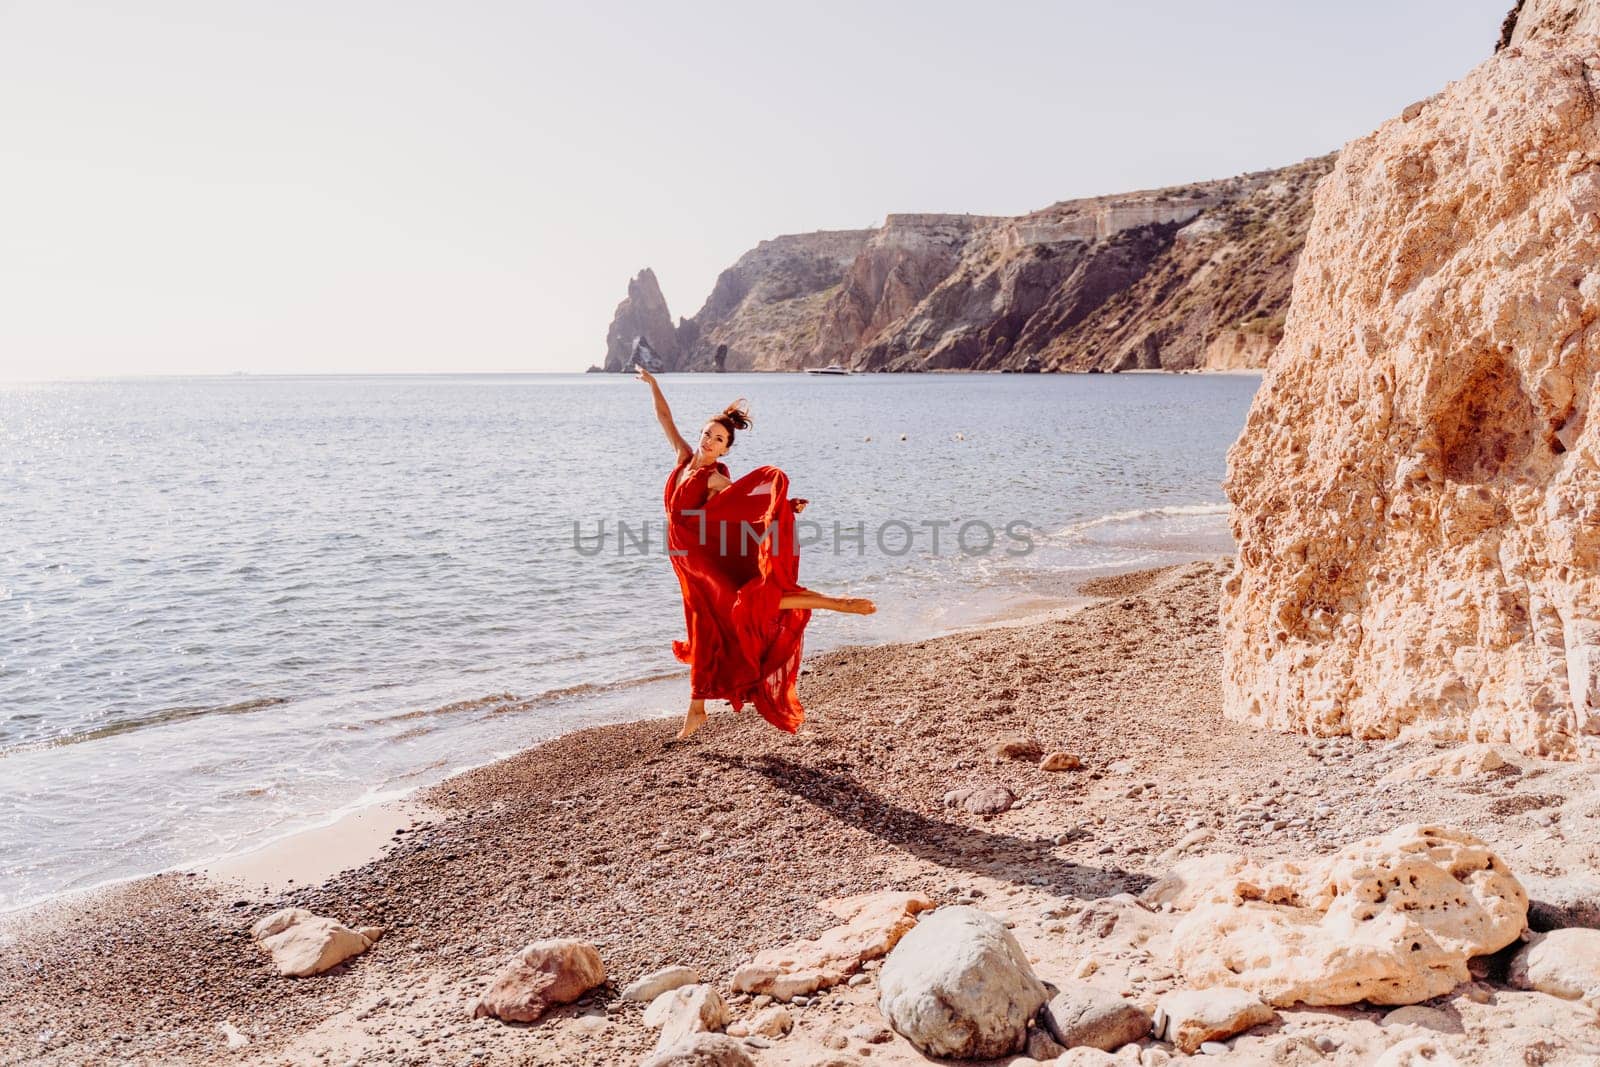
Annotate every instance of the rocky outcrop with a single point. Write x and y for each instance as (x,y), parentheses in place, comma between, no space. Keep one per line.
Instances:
(544,975)
(767,307)
(959,986)
(1416,494)
(642,314)
(1389,920)
(1192,276)
(302,944)
(1546,21)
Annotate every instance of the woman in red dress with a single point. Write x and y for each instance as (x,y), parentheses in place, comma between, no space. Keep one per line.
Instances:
(732,545)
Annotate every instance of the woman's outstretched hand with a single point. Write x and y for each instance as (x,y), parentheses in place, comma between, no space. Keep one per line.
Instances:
(644,375)
(799,504)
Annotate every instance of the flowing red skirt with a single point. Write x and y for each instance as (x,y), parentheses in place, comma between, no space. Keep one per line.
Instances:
(735,557)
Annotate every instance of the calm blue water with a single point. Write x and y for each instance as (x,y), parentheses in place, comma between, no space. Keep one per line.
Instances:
(234,606)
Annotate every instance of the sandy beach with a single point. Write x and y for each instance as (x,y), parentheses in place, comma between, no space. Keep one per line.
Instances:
(703,854)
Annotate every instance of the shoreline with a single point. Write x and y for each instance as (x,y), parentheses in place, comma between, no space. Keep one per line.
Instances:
(299,855)
(704,854)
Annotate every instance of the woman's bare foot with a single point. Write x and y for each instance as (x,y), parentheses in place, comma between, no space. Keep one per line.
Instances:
(695,719)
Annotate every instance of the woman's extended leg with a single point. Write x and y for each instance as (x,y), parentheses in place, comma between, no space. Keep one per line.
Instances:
(855,605)
(694,720)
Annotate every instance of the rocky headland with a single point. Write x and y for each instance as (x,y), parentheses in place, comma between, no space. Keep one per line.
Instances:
(1189,277)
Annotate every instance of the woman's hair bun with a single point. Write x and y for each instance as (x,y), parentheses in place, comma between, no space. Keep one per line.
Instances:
(738,415)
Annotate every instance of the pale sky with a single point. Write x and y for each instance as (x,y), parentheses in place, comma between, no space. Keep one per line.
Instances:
(332,186)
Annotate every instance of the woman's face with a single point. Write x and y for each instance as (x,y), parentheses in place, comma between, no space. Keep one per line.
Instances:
(714,440)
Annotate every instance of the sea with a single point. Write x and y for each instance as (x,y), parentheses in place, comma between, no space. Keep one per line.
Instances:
(233,608)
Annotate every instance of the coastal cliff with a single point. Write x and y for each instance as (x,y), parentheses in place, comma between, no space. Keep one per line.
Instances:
(1416,494)
(1187,277)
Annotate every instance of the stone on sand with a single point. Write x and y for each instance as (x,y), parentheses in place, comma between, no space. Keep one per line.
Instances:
(648,987)
(1081,1014)
(1190,1017)
(991,799)
(873,924)
(1023,749)
(960,986)
(1390,919)
(702,1050)
(684,1012)
(1562,963)
(1462,761)
(303,944)
(543,975)
(774,1022)
(1060,761)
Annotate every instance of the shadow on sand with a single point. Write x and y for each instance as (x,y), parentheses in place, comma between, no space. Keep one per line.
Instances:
(1024,861)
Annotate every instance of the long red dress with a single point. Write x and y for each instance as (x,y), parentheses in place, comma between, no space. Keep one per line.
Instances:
(735,557)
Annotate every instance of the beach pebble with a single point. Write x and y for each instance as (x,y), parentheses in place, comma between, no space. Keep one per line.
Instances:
(772,1022)
(1189,1017)
(1060,761)
(1021,748)
(981,799)
(1562,963)
(648,987)
(959,986)
(871,1033)
(543,975)
(702,1050)
(1213,1048)
(302,944)
(1082,1014)
(683,1012)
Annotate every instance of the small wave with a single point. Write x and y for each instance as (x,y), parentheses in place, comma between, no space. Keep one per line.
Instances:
(1174,511)
(155,718)
(510,703)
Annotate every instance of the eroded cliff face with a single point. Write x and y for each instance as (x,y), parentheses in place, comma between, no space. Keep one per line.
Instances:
(1548,21)
(1416,494)
(643,313)
(1192,276)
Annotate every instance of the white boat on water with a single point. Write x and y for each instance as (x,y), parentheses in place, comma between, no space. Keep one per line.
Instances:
(832,368)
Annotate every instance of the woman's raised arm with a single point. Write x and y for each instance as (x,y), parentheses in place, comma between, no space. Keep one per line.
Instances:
(664,415)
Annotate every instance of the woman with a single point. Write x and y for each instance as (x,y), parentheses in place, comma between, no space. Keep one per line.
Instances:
(732,545)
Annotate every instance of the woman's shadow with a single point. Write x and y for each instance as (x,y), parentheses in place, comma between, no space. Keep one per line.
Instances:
(1025,861)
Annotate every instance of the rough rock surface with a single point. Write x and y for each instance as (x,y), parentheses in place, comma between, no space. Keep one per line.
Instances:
(643,313)
(702,1050)
(1546,21)
(1389,920)
(685,1011)
(1563,963)
(1087,1015)
(542,976)
(303,944)
(873,924)
(989,799)
(1190,1017)
(1460,762)
(960,986)
(1416,494)
(648,987)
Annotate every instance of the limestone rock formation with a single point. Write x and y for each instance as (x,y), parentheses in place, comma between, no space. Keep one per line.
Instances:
(1464,761)
(702,1050)
(1190,1017)
(873,924)
(642,314)
(1082,1014)
(302,944)
(960,986)
(1416,494)
(1193,276)
(544,975)
(683,1012)
(1563,963)
(1389,920)
(1545,21)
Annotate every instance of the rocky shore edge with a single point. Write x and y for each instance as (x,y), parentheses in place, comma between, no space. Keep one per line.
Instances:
(1024,844)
